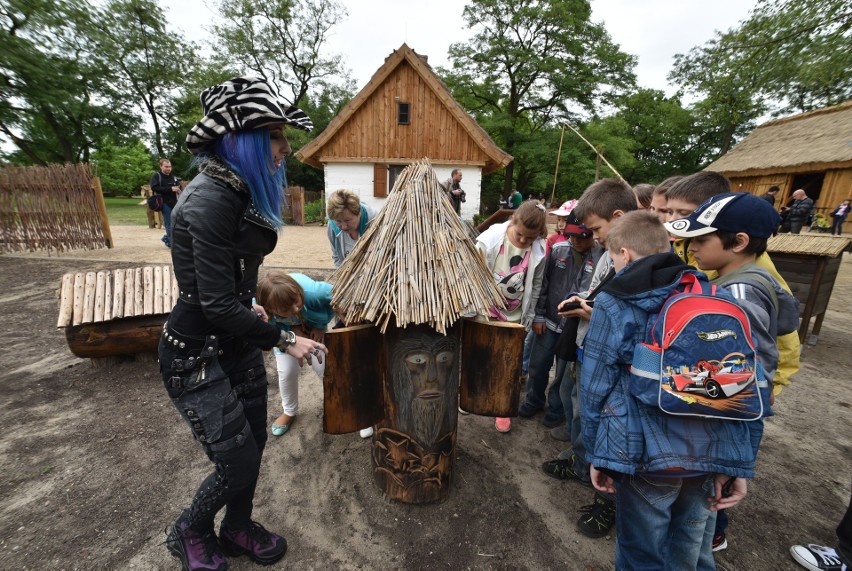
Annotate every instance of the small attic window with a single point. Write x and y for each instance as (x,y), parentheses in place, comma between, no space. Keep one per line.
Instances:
(403,113)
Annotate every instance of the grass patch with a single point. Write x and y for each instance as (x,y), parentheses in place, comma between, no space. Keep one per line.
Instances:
(315,211)
(123,210)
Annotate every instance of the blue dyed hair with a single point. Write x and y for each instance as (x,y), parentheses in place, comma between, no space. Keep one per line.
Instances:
(249,154)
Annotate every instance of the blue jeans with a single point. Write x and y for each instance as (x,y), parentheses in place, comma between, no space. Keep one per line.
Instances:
(167,221)
(525,365)
(540,363)
(569,394)
(664,523)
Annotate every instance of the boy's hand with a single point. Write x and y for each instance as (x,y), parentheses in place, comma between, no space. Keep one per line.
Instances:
(538,328)
(583,312)
(601,481)
(728,493)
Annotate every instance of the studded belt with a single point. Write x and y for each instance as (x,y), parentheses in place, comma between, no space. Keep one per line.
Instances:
(227,345)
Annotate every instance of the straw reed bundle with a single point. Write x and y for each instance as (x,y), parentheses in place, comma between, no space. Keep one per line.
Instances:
(808,244)
(416,263)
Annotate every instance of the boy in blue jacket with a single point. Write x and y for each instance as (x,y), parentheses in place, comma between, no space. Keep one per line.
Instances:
(667,472)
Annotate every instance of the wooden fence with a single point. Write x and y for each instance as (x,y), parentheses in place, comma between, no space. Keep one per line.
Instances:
(53,208)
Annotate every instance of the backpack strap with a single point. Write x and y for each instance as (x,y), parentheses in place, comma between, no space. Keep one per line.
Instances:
(690,283)
(751,278)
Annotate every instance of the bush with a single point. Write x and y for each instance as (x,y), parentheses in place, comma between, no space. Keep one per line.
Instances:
(123,169)
(315,211)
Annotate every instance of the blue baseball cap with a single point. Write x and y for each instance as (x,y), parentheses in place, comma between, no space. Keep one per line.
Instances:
(729,212)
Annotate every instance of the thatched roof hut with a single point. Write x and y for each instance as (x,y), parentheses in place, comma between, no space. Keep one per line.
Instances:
(810,150)
(416,263)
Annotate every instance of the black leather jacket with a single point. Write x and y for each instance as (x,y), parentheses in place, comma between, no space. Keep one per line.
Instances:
(218,243)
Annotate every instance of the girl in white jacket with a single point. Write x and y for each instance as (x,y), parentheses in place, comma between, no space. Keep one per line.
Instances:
(514,252)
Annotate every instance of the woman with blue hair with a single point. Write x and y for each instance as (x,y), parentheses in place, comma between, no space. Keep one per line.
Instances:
(211,359)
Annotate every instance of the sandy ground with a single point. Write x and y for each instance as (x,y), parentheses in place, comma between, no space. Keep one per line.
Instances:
(96,462)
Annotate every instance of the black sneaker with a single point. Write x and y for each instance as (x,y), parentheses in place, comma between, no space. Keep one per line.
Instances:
(564,470)
(598,518)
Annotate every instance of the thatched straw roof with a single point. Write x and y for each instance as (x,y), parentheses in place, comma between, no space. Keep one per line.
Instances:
(416,263)
(817,140)
(830,246)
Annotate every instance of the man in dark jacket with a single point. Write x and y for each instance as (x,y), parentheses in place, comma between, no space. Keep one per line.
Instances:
(797,213)
(770,195)
(168,186)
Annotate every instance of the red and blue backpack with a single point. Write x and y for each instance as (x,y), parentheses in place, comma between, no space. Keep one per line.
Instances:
(699,357)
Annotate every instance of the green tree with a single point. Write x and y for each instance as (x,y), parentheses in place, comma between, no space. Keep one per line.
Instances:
(123,169)
(148,62)
(529,63)
(284,40)
(664,137)
(54,103)
(788,56)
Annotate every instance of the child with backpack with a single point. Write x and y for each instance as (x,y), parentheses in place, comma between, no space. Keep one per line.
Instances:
(754,287)
(682,199)
(670,470)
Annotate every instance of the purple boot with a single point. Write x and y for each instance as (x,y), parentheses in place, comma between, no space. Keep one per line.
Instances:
(261,546)
(196,551)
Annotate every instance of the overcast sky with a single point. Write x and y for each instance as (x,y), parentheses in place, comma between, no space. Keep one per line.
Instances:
(653,30)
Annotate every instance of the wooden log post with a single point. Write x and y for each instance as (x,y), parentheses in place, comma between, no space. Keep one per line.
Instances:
(79,295)
(101,204)
(89,297)
(66,297)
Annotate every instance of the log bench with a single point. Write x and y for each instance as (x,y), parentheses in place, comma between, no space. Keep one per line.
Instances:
(109,316)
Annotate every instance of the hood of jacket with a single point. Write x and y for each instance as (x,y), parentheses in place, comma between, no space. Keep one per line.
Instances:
(648,281)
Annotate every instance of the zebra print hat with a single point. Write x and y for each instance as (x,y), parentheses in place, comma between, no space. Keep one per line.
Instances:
(241,104)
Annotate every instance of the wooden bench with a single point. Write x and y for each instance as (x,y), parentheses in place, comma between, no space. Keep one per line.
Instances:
(117,313)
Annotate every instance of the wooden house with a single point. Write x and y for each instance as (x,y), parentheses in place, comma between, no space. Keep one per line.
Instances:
(812,151)
(405,113)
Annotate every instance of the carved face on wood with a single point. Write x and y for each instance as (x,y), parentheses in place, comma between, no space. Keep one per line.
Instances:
(424,370)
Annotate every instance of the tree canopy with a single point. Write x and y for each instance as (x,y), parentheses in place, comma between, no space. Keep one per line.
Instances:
(83,81)
(530,63)
(788,56)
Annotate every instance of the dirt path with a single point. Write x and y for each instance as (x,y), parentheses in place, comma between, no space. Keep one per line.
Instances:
(96,462)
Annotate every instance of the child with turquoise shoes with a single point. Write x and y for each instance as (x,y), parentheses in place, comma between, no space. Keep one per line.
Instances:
(299,303)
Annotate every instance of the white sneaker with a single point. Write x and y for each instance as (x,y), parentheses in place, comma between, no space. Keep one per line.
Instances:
(366,432)
(817,557)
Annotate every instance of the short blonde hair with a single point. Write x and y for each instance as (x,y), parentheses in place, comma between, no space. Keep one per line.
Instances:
(639,231)
(342,200)
(277,292)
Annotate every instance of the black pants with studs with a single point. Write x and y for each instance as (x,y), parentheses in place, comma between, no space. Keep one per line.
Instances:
(219,388)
